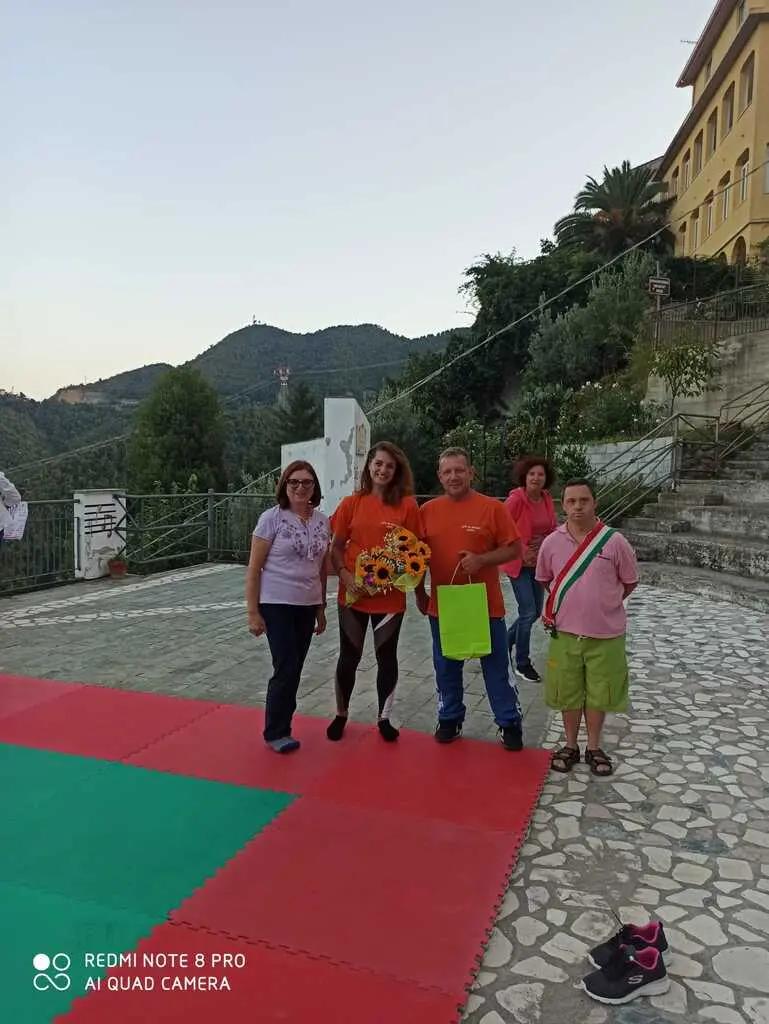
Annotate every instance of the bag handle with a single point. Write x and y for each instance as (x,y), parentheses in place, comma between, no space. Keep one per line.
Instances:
(469,578)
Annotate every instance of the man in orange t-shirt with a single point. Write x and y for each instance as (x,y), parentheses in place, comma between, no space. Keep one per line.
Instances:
(470,534)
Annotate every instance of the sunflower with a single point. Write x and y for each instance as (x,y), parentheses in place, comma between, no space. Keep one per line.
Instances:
(366,564)
(400,539)
(415,565)
(384,572)
(421,549)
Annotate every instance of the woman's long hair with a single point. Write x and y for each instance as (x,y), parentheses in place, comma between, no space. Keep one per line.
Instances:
(402,483)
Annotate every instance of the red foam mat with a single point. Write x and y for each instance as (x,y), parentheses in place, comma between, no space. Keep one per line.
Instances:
(97,721)
(227,746)
(274,987)
(375,890)
(467,782)
(17,693)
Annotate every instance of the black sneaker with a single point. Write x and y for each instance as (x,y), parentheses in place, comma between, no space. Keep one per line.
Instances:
(629,974)
(447,732)
(635,936)
(511,737)
(528,672)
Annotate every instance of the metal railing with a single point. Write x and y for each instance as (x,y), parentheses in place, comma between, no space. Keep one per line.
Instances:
(166,531)
(740,311)
(45,554)
(684,444)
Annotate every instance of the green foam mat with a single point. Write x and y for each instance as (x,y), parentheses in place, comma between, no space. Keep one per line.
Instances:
(33,779)
(124,836)
(41,924)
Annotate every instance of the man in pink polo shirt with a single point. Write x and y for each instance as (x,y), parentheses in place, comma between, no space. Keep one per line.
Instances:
(589,570)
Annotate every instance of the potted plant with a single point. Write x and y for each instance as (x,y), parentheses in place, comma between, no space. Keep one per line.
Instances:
(117,565)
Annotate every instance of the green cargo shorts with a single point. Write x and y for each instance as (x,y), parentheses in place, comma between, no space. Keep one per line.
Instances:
(583,672)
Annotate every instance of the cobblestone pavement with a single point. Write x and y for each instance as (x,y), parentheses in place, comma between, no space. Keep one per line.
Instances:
(681,831)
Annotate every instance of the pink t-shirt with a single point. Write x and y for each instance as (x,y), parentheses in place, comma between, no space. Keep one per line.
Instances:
(593,606)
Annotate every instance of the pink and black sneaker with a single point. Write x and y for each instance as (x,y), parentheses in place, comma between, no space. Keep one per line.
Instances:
(637,937)
(628,974)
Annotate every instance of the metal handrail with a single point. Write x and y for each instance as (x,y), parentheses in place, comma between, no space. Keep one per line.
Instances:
(755,399)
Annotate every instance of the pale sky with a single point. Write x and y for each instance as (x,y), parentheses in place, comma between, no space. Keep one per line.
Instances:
(172,168)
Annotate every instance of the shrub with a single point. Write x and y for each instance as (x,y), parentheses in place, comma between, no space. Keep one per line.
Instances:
(610,408)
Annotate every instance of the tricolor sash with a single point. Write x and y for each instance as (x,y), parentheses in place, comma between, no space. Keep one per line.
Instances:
(576,567)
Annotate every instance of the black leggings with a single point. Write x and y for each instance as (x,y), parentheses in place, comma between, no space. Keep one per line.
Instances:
(352,636)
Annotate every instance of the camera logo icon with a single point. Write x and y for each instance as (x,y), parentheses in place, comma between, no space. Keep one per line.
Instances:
(51,972)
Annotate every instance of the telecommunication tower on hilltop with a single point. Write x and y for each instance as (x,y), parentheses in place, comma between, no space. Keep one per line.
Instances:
(283,373)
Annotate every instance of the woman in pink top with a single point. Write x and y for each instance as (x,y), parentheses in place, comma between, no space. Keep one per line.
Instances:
(531,508)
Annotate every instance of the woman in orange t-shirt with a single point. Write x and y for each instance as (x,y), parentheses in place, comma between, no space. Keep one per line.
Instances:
(384,501)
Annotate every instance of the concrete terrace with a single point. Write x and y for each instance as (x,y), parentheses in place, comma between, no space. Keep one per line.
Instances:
(681,831)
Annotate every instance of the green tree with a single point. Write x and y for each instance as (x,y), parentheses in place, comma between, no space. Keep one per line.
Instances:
(403,424)
(253,441)
(588,342)
(687,364)
(503,289)
(302,418)
(624,208)
(178,439)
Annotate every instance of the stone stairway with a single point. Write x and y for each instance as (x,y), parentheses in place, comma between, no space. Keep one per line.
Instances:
(711,536)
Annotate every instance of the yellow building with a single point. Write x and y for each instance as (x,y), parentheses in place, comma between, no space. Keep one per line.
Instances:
(718,163)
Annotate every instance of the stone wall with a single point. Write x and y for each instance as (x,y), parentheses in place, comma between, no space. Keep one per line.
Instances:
(649,460)
(745,364)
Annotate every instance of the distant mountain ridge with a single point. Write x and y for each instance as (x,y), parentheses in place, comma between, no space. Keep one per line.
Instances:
(354,359)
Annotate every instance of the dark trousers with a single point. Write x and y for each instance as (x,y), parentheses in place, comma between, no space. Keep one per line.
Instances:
(352,636)
(289,634)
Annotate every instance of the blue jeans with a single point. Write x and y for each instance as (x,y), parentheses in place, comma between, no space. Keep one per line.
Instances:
(530,597)
(500,687)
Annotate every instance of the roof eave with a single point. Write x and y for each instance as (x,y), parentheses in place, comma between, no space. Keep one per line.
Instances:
(715,25)
(726,64)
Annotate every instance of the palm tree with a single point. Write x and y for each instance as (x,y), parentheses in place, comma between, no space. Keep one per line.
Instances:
(626,207)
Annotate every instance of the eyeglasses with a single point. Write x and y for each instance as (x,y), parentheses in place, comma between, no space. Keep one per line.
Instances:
(304,484)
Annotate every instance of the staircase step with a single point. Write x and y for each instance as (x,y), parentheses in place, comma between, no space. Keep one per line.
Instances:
(721,552)
(656,525)
(733,491)
(747,522)
(714,586)
(744,472)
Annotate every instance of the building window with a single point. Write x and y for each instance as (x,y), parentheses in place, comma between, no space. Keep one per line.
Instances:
(712,133)
(686,166)
(727,113)
(724,190)
(695,235)
(742,13)
(674,183)
(746,82)
(743,177)
(709,216)
(766,169)
(709,68)
(698,145)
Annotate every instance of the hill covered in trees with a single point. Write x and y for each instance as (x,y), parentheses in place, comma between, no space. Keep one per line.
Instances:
(348,359)
(353,360)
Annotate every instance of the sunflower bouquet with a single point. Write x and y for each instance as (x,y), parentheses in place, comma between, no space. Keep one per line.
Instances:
(400,564)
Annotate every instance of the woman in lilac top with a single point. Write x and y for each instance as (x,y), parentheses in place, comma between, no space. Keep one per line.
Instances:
(286,591)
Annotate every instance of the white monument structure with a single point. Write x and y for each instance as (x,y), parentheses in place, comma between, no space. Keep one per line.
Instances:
(100,531)
(340,455)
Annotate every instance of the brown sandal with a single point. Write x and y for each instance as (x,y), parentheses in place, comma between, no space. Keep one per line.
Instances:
(599,763)
(564,759)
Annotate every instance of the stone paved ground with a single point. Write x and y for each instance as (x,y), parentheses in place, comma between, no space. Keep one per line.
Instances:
(681,830)
(185,634)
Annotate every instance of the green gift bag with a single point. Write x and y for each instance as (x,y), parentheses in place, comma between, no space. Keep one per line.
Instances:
(463,621)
